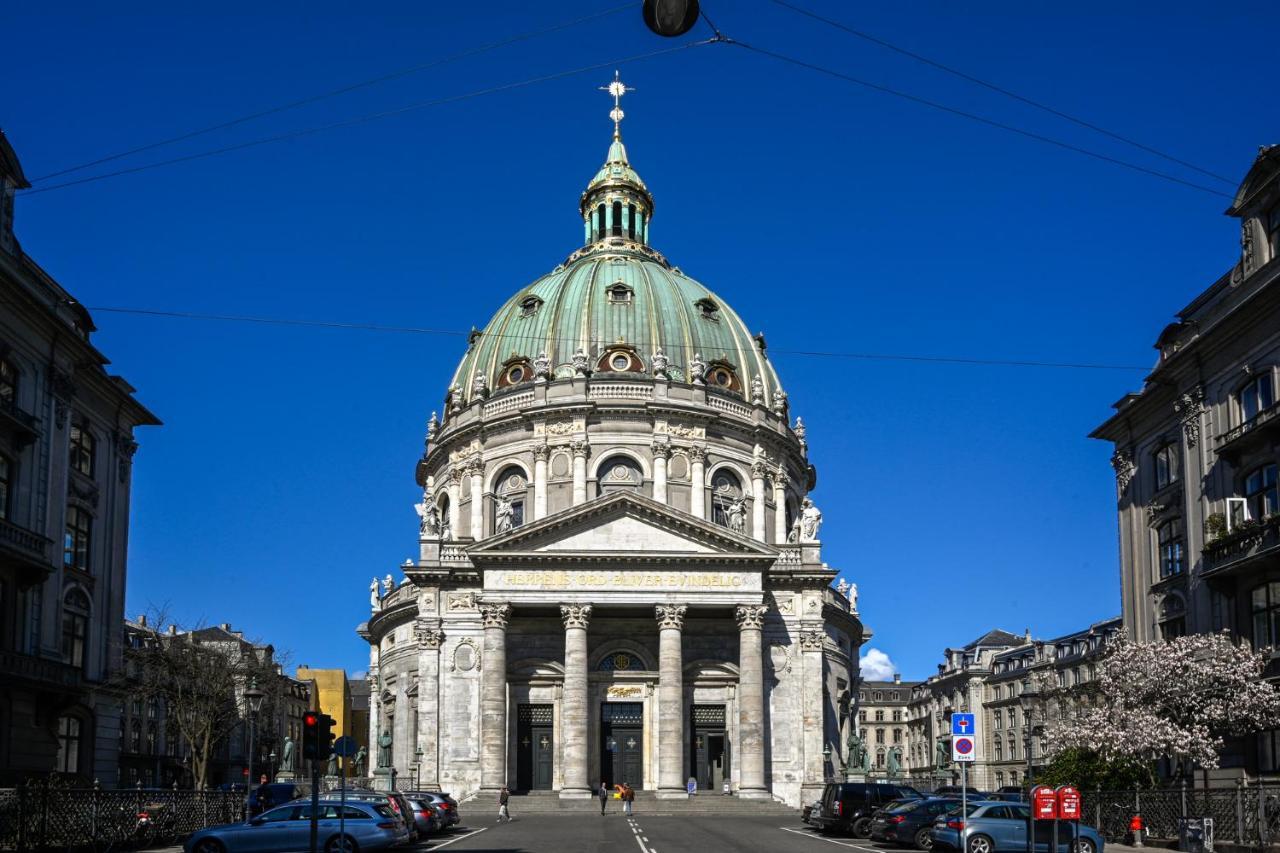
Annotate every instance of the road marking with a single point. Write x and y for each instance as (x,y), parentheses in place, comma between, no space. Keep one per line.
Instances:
(460,838)
(830,840)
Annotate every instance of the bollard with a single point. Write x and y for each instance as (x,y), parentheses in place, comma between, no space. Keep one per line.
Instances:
(1135,827)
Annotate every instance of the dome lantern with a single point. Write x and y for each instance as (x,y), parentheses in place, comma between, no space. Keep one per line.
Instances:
(616,206)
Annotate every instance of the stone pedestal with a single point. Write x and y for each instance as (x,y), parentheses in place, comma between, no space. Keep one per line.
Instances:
(285,776)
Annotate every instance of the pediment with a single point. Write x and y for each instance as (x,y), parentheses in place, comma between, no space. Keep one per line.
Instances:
(622,525)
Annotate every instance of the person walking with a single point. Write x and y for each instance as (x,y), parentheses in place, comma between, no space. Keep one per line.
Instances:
(628,797)
(603,794)
(503,811)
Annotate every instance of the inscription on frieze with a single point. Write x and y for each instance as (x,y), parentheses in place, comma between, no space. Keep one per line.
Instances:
(606,581)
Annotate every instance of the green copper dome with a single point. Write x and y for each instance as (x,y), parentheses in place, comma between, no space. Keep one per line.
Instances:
(611,306)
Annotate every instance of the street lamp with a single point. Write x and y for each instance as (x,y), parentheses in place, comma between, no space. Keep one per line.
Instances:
(417,765)
(826,761)
(1027,698)
(253,698)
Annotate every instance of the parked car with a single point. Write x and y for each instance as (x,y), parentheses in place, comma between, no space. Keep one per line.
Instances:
(425,817)
(956,790)
(910,823)
(363,826)
(848,806)
(446,807)
(810,812)
(392,799)
(993,826)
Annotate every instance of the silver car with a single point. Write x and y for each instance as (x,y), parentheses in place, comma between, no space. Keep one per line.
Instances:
(341,828)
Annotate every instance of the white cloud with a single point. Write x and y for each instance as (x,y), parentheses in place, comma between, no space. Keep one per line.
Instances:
(876,666)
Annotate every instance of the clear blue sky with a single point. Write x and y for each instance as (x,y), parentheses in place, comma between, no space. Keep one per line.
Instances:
(834,218)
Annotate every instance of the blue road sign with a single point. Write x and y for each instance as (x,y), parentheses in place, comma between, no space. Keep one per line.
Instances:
(962,724)
(345,746)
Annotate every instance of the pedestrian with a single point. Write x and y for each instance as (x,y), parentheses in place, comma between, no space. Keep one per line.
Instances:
(727,790)
(503,812)
(262,796)
(628,797)
(603,794)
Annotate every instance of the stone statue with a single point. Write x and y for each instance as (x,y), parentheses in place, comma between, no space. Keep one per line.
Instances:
(581,365)
(387,585)
(503,513)
(780,404)
(384,749)
(542,366)
(659,361)
(286,759)
(894,762)
(800,430)
(332,769)
(854,749)
(853,597)
(943,756)
(429,517)
(738,516)
(866,759)
(793,535)
(374,601)
(810,521)
(455,399)
(697,369)
(433,427)
(843,587)
(446,531)
(362,756)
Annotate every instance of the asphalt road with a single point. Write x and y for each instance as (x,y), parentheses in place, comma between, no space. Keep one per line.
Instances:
(614,833)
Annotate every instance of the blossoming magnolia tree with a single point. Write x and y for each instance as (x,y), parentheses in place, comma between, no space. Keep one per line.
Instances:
(1175,699)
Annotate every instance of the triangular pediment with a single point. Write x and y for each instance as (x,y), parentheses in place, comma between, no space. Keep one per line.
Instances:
(622,525)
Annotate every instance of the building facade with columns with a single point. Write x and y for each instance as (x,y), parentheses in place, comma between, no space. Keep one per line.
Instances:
(620,575)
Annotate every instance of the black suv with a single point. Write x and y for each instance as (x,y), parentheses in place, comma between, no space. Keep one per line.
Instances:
(848,806)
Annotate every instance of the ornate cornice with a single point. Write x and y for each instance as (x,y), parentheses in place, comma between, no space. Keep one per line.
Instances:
(670,615)
(575,615)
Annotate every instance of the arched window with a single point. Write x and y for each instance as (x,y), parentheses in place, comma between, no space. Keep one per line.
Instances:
(6,485)
(8,384)
(509,500)
(69,736)
(1170,544)
(617,219)
(1256,396)
(75,626)
(1013,748)
(1013,777)
(530,305)
(620,661)
(600,231)
(83,449)
(446,532)
(631,221)
(728,503)
(152,735)
(880,757)
(78,538)
(619,474)
(1173,617)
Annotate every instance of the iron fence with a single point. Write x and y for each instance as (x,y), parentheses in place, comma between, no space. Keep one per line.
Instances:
(1247,814)
(40,817)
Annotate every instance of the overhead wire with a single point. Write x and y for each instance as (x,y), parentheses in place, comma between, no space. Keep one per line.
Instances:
(998,89)
(333,93)
(419,330)
(294,134)
(898,93)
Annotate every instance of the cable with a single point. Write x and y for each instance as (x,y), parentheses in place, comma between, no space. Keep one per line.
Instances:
(975,117)
(993,87)
(404,72)
(294,134)
(374,327)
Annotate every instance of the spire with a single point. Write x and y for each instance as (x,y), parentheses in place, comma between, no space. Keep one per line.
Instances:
(616,207)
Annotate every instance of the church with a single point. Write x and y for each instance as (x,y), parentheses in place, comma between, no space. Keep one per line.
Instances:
(620,576)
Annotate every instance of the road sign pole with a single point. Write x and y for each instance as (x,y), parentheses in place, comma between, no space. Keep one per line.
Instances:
(964,803)
(315,803)
(342,802)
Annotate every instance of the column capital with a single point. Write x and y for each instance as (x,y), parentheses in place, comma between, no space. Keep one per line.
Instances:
(541,452)
(759,469)
(697,453)
(428,636)
(661,448)
(580,448)
(575,615)
(670,615)
(750,616)
(455,475)
(780,479)
(495,615)
(812,640)
(475,466)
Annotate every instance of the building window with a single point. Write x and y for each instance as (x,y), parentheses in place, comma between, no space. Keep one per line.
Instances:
(1260,492)
(1269,751)
(1168,465)
(728,505)
(879,716)
(68,745)
(619,474)
(76,542)
(617,219)
(998,745)
(998,716)
(152,735)
(897,735)
(862,716)
(529,306)
(509,500)
(1266,615)
(83,447)
(1013,777)
(897,716)
(1173,617)
(1013,748)
(75,627)
(135,735)
(619,294)
(999,691)
(1171,549)
(708,309)
(6,485)
(1256,396)
(879,735)
(1273,231)
(631,221)
(879,758)
(8,384)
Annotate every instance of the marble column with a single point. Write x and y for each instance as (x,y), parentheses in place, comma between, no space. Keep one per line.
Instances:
(758,471)
(697,482)
(580,450)
(779,507)
(540,454)
(475,468)
(493,697)
(751,701)
(661,453)
(429,637)
(455,502)
(573,702)
(671,778)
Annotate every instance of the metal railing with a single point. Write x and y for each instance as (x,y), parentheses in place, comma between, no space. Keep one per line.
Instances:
(1247,814)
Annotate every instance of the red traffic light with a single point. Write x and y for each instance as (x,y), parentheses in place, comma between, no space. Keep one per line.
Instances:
(311,719)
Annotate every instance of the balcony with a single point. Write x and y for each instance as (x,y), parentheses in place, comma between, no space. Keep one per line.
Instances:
(17,423)
(25,549)
(1247,545)
(1250,434)
(17,668)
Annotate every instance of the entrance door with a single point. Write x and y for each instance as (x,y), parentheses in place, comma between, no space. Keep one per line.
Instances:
(535,747)
(622,743)
(709,746)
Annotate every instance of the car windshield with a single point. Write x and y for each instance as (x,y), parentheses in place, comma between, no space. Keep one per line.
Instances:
(903,808)
(954,811)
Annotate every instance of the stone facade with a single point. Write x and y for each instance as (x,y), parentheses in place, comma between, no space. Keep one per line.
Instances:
(66,462)
(883,712)
(619,574)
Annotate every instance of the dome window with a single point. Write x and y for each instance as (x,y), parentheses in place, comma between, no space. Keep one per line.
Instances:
(515,371)
(620,361)
(721,375)
(618,474)
(708,309)
(620,294)
(529,306)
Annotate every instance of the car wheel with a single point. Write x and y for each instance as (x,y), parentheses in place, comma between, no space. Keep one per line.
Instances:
(341,844)
(924,840)
(980,844)
(1083,845)
(862,827)
(208,845)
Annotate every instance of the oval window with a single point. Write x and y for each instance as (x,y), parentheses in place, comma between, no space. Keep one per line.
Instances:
(515,374)
(720,376)
(621,362)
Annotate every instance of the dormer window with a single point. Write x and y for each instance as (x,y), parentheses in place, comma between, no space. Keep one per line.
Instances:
(619,293)
(529,306)
(708,309)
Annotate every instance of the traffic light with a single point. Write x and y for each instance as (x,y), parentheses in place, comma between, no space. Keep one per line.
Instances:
(324,736)
(311,736)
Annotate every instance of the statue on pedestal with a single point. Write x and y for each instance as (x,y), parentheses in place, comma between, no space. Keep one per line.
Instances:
(503,513)
(943,755)
(332,769)
(384,749)
(362,757)
(855,751)
(286,759)
(894,762)
(375,601)
(738,516)
(810,521)
(429,517)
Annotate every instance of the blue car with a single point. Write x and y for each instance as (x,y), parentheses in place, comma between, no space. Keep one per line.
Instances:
(287,829)
(1001,827)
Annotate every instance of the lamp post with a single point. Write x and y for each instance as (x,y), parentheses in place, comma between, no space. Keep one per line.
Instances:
(1027,698)
(253,699)
(417,765)
(826,763)
(271,772)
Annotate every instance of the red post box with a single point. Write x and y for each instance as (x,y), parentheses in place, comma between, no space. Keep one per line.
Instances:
(1044,803)
(1068,803)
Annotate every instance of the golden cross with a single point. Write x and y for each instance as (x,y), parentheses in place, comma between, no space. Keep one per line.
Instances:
(617,89)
